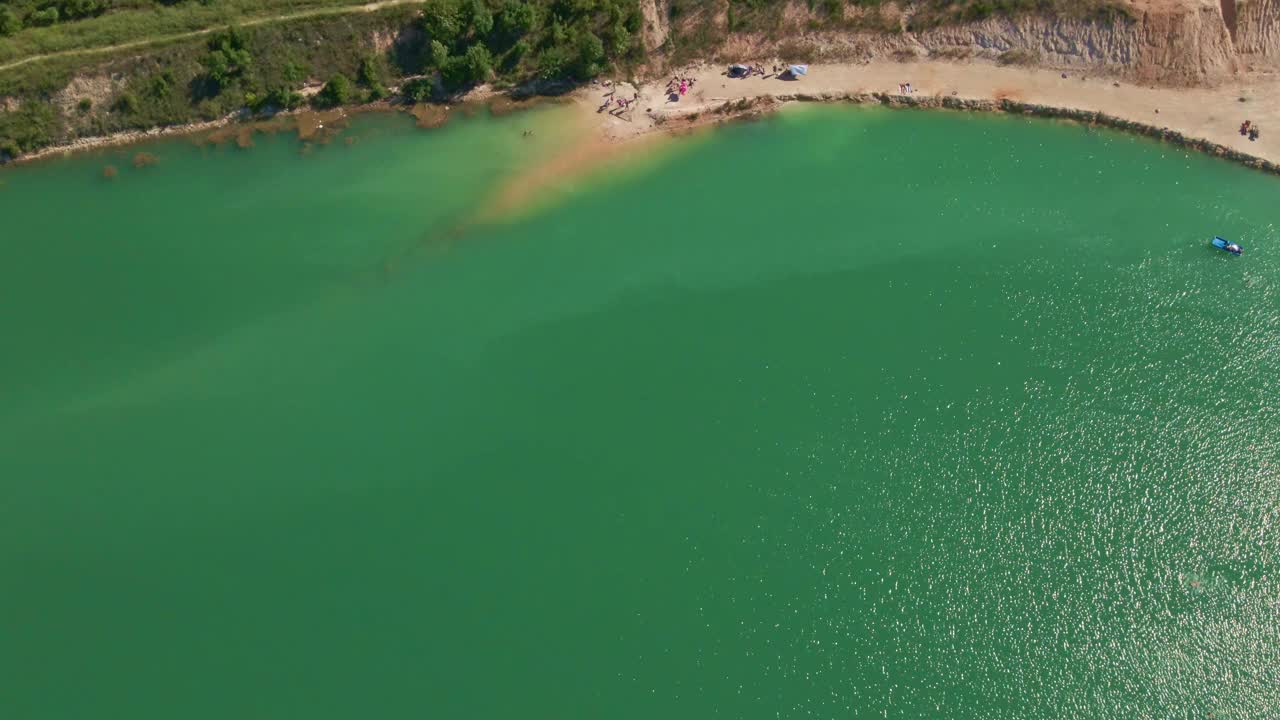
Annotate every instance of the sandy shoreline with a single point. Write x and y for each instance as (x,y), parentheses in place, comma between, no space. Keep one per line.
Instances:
(1212,115)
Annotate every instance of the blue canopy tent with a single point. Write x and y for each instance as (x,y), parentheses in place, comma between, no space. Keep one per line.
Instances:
(798,70)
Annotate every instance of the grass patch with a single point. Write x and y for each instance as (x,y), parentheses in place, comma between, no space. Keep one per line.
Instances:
(151,20)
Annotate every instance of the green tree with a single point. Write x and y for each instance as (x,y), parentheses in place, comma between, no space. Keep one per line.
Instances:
(76,9)
(280,98)
(516,19)
(552,63)
(293,73)
(161,85)
(439,54)
(48,16)
(479,63)
(443,21)
(334,93)
(481,19)
(471,67)
(417,89)
(590,54)
(9,22)
(228,59)
(559,34)
(371,71)
(620,38)
(517,53)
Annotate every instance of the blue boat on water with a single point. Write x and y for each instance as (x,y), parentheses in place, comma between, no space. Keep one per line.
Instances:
(1230,247)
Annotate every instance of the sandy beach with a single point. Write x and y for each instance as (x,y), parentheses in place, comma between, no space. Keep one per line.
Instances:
(1212,114)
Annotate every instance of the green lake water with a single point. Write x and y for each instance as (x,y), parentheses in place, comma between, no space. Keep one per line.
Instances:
(845,413)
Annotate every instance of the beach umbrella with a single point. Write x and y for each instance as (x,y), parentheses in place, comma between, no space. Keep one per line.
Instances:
(799,70)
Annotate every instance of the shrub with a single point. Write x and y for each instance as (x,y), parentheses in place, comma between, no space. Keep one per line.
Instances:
(9,22)
(552,63)
(481,20)
(619,38)
(442,21)
(85,105)
(48,16)
(162,85)
(515,20)
(417,89)
(293,73)
(979,10)
(516,54)
(479,63)
(228,59)
(590,53)
(334,93)
(279,98)
(126,104)
(372,71)
(439,54)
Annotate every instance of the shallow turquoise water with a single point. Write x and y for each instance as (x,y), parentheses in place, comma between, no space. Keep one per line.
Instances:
(846,413)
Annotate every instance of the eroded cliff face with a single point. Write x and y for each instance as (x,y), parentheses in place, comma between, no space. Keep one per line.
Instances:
(1257,29)
(1169,42)
(1182,45)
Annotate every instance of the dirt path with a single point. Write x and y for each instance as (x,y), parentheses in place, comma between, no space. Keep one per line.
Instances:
(318,12)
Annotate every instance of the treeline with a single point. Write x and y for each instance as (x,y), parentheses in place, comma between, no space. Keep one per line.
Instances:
(469,41)
(455,44)
(442,49)
(17,14)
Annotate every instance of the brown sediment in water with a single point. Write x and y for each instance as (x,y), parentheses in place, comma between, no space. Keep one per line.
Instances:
(429,116)
(110,171)
(144,159)
(242,133)
(321,126)
(587,153)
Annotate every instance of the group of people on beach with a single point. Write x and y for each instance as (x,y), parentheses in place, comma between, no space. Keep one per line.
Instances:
(905,89)
(616,105)
(1250,129)
(679,86)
